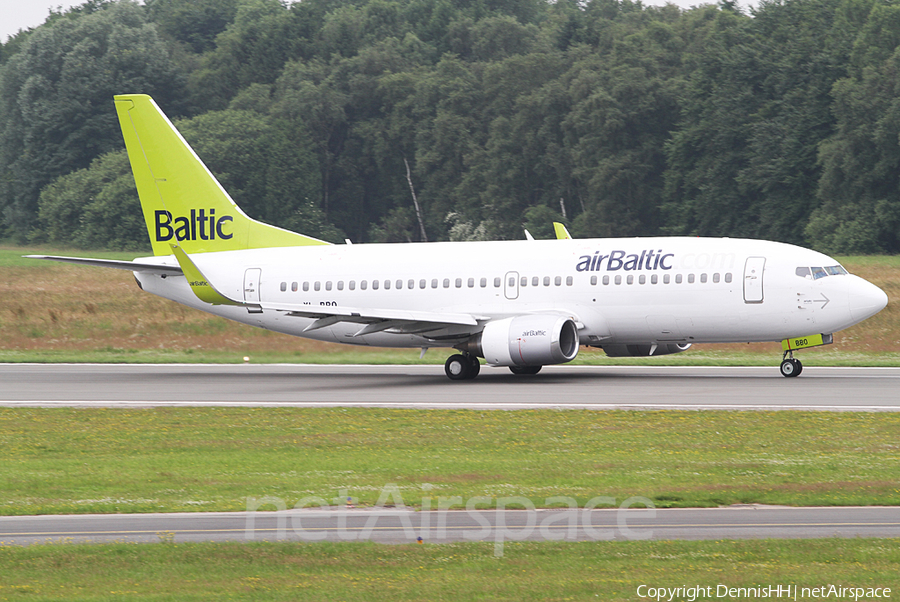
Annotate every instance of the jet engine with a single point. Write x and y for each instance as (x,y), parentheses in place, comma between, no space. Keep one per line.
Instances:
(532,340)
(644,350)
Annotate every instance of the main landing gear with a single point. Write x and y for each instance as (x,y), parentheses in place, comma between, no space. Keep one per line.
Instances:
(465,366)
(462,366)
(790,366)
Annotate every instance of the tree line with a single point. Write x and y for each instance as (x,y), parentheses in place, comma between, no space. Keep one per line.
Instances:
(405,120)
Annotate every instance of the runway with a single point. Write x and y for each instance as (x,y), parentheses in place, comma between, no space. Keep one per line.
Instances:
(406,526)
(580,387)
(595,388)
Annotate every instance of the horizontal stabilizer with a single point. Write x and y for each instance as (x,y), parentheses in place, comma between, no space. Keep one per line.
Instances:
(131,266)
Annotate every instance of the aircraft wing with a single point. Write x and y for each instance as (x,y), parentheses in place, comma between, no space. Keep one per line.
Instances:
(372,320)
(377,320)
(131,266)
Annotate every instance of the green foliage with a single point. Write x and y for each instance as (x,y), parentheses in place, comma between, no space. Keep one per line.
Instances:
(56,111)
(192,22)
(94,208)
(632,120)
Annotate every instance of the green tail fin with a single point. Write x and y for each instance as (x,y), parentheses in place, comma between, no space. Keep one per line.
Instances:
(182,201)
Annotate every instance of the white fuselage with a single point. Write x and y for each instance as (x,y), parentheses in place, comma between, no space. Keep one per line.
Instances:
(618,291)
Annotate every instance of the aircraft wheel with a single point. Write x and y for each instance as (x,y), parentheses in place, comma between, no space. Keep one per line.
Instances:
(791,367)
(475,365)
(525,369)
(459,367)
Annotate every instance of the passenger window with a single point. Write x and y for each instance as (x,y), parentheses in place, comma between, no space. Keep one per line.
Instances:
(459,283)
(630,279)
(317,286)
(399,285)
(422,283)
(471,283)
(524,281)
(305,286)
(340,285)
(690,279)
(605,280)
(535,280)
(642,279)
(666,278)
(703,278)
(654,279)
(569,281)
(363,284)
(387,285)
(411,284)
(328,285)
(446,283)
(374,285)
(803,272)
(678,278)
(294,287)
(283,286)
(618,280)
(818,273)
(546,280)
(728,277)
(557,281)
(593,281)
(352,285)
(716,277)
(484,283)
(434,283)
(497,282)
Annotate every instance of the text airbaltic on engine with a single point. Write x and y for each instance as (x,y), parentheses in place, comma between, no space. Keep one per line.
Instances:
(200,223)
(619,260)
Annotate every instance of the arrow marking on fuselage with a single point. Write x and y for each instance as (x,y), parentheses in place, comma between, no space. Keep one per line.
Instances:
(824,298)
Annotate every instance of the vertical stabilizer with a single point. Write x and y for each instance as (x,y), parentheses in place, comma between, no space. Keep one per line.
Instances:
(183,202)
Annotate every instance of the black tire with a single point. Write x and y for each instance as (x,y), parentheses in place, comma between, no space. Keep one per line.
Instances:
(791,368)
(459,367)
(525,369)
(475,365)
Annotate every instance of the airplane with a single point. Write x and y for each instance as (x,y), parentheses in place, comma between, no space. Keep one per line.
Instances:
(517,304)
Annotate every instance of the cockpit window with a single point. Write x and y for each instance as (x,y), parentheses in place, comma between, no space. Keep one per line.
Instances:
(814,273)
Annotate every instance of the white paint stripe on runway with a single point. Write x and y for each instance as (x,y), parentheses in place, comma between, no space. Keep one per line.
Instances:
(441,405)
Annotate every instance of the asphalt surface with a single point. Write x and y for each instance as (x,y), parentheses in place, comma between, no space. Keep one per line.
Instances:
(587,387)
(406,526)
(828,389)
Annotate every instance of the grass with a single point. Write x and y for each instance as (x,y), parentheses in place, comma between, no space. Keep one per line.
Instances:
(610,571)
(64,313)
(57,461)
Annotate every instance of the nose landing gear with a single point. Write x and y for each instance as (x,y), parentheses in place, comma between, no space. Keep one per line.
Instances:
(789,365)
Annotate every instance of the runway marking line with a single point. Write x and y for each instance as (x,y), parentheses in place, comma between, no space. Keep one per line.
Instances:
(447,528)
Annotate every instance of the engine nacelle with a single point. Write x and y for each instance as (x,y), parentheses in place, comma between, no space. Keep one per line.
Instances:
(533,340)
(644,350)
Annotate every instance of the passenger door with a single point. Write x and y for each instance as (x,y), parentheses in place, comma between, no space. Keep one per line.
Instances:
(753,279)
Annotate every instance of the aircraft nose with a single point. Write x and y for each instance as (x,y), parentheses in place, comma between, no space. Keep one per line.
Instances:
(866,299)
